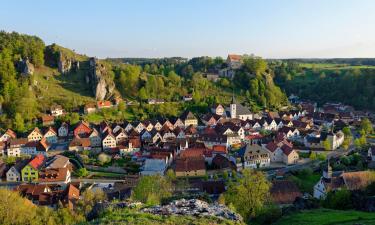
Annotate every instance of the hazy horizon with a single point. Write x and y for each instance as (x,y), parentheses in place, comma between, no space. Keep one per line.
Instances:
(144,29)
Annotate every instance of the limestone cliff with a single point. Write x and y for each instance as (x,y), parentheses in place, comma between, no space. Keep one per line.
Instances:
(100,78)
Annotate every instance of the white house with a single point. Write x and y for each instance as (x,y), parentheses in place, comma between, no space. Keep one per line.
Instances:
(154,166)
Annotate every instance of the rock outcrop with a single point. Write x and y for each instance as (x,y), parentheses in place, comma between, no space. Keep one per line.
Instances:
(64,63)
(25,67)
(98,76)
(194,207)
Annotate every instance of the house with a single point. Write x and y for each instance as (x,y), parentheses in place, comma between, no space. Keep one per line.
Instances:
(314,140)
(89,108)
(217,109)
(63,130)
(15,146)
(95,139)
(14,173)
(82,129)
(234,61)
(190,166)
(254,156)
(9,134)
(210,119)
(222,163)
(30,172)
(109,141)
(35,135)
(214,77)
(33,148)
(282,152)
(48,120)
(336,181)
(188,119)
(50,135)
(155,101)
(187,98)
(154,166)
(50,194)
(54,176)
(104,104)
(57,110)
(58,161)
(80,144)
(239,111)
(284,192)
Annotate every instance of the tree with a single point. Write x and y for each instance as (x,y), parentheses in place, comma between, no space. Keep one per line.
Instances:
(104,158)
(152,189)
(170,174)
(255,65)
(327,145)
(313,156)
(82,172)
(19,123)
(366,125)
(340,199)
(250,193)
(88,199)
(121,106)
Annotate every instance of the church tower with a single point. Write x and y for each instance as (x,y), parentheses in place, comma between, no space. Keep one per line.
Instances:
(233,108)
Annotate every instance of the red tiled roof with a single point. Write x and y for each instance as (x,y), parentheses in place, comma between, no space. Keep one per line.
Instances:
(284,192)
(190,164)
(37,162)
(271,146)
(47,118)
(234,57)
(104,104)
(219,149)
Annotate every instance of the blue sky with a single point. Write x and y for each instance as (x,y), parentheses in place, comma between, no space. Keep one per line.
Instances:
(164,28)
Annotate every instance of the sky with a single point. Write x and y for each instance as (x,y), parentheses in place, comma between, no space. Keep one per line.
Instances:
(189,28)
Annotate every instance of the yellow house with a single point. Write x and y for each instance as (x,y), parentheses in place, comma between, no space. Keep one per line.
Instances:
(30,172)
(35,135)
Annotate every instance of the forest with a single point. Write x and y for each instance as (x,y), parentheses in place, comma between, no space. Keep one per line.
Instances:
(350,85)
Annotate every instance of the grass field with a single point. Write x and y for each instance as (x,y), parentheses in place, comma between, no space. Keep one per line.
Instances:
(69,90)
(328,217)
(305,182)
(332,66)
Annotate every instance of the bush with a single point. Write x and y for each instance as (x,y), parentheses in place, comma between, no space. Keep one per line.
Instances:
(269,214)
(340,199)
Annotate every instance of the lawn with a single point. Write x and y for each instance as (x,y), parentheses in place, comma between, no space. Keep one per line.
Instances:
(305,182)
(328,217)
(97,174)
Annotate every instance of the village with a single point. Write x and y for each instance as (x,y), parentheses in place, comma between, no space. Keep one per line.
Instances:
(56,162)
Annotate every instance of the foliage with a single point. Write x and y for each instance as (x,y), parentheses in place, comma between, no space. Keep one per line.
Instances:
(305,180)
(82,172)
(152,189)
(338,84)
(17,210)
(366,126)
(327,217)
(340,199)
(104,158)
(249,194)
(88,199)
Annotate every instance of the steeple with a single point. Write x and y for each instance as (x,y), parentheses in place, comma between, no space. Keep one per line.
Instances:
(327,173)
(233,101)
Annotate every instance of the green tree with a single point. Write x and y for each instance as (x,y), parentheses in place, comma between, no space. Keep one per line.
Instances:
(19,123)
(82,172)
(340,199)
(249,195)
(88,199)
(366,125)
(327,145)
(152,189)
